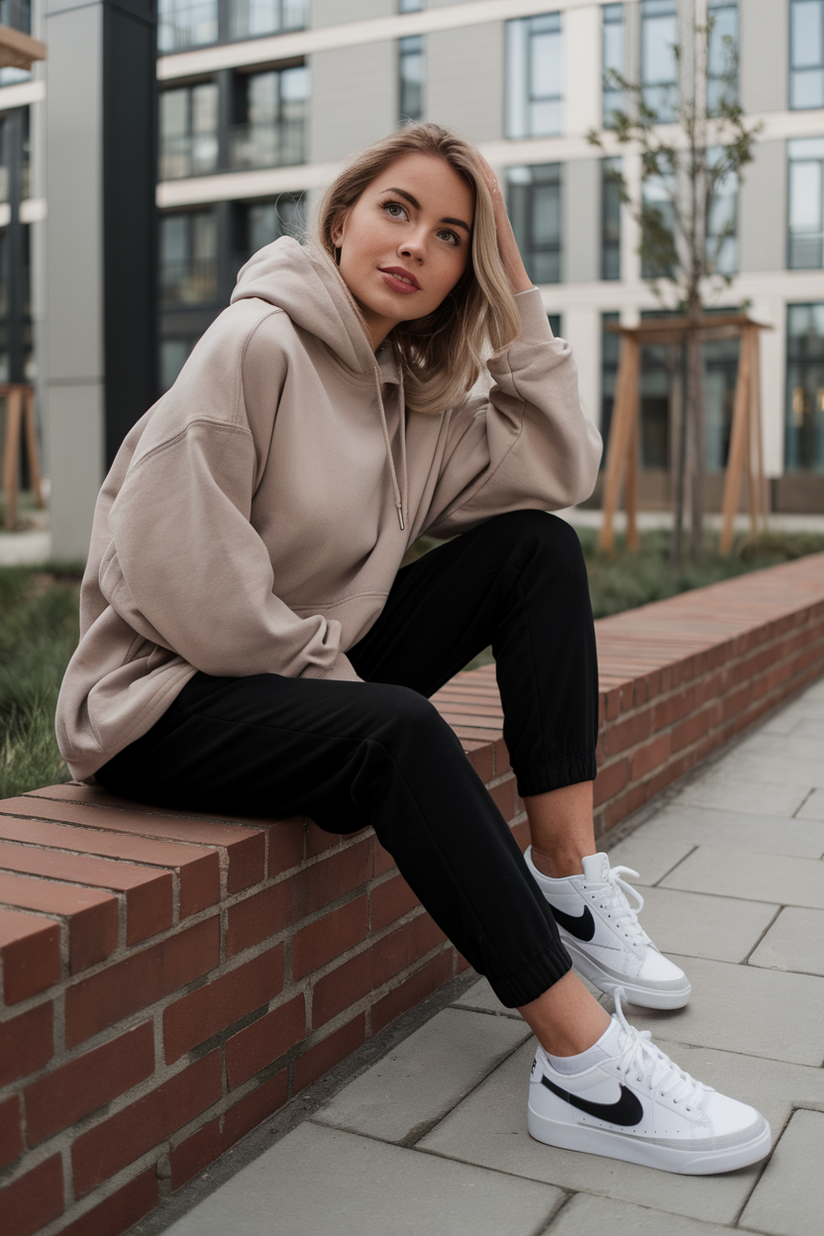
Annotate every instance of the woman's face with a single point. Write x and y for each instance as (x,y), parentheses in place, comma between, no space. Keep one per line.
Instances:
(406,241)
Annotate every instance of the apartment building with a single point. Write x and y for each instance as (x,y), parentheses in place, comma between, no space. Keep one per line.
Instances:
(260,100)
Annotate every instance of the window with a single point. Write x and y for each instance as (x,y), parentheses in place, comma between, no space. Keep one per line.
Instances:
(722,213)
(805,207)
(271,108)
(612,60)
(807,53)
(659,65)
(722,56)
(188,131)
(533,76)
(259,223)
(554,320)
(534,195)
(610,350)
(188,257)
(411,6)
(658,258)
(410,64)
(610,219)
(805,388)
(186,23)
(248,18)
(17,14)
(173,356)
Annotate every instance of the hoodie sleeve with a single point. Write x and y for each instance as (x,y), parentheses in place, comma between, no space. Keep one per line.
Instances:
(186,569)
(528,445)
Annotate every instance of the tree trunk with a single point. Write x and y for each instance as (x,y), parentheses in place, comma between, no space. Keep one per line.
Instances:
(695,426)
(678,458)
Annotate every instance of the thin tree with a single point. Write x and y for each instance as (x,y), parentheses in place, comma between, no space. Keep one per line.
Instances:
(691,148)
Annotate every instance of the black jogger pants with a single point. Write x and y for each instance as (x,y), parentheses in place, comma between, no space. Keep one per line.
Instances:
(351,754)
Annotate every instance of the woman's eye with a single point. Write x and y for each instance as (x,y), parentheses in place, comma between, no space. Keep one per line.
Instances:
(394,210)
(451,237)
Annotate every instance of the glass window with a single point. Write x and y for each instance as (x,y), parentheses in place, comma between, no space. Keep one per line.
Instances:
(612,59)
(722,55)
(658,259)
(410,63)
(610,349)
(610,219)
(260,223)
(188,131)
(272,109)
(186,23)
(807,53)
(806,228)
(534,198)
(188,257)
(554,320)
(411,6)
(248,18)
(659,65)
(722,215)
(17,14)
(805,388)
(533,76)
(173,356)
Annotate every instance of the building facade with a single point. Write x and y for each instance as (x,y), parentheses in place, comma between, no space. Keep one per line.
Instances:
(260,101)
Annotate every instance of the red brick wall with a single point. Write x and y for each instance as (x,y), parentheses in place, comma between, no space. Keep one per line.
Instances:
(168,981)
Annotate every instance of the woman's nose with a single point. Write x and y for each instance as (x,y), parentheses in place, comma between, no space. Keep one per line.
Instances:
(413,246)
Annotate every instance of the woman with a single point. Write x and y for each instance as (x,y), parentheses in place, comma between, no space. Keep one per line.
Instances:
(249,643)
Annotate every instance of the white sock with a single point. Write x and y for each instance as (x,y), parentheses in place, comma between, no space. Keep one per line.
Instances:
(600,1050)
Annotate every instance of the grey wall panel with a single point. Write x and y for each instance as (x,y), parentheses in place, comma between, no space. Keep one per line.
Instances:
(354,98)
(765,40)
(465,80)
(581,215)
(77,463)
(762,209)
(338,12)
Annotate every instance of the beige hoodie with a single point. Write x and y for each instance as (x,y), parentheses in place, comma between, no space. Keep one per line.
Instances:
(250,522)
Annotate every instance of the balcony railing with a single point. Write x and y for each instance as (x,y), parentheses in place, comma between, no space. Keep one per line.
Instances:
(188,155)
(189,282)
(256,145)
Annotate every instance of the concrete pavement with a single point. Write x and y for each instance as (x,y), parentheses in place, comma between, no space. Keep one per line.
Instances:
(432,1137)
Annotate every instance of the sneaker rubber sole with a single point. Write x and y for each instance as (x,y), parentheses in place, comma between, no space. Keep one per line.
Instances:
(662,997)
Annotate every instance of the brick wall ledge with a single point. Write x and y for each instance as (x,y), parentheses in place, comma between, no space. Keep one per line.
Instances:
(168,980)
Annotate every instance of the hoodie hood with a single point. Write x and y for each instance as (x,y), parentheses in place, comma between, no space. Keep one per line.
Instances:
(306,284)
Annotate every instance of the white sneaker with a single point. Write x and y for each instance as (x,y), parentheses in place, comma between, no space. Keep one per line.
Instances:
(633,1103)
(602,935)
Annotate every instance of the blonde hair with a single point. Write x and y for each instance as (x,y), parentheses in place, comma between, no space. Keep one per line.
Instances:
(442,354)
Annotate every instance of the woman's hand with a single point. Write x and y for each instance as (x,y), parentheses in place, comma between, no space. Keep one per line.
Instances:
(519,280)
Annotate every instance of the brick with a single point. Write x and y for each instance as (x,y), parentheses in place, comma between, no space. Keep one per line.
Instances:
(502,764)
(198,868)
(30,952)
(11,1138)
(120,1210)
(372,967)
(221,1002)
(318,840)
(72,804)
(329,936)
(409,993)
(210,1142)
(503,797)
(148,893)
(259,1045)
(286,845)
(481,756)
(388,901)
(521,834)
(611,780)
(92,916)
(650,756)
(383,860)
(118,1141)
(693,728)
(26,1043)
(628,733)
(294,897)
(123,988)
(33,1200)
(323,1056)
(75,1089)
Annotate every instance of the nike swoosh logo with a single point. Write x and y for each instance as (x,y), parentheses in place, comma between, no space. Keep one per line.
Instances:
(627,1111)
(581,926)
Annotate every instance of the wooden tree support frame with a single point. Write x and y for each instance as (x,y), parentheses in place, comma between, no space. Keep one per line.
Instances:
(745,443)
(19,399)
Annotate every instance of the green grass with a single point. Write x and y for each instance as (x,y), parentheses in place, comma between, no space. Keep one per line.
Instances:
(38,629)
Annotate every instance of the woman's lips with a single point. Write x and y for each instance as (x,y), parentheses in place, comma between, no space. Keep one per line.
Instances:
(399,283)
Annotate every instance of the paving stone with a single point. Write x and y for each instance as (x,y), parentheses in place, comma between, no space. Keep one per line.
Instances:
(696,925)
(797,746)
(783,770)
(813,807)
(728,872)
(489,1128)
(481,996)
(652,857)
(744,1009)
(809,728)
(789,1198)
(425,1076)
(733,793)
(586,1215)
(326,1182)
(794,942)
(770,834)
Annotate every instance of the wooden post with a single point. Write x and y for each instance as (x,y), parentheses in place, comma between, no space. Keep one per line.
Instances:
(11,451)
(739,442)
(631,487)
(621,436)
(756,445)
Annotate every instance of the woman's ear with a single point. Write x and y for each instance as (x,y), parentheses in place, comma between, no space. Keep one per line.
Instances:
(336,230)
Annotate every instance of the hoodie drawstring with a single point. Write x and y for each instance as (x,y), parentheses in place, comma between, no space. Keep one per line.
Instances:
(387,445)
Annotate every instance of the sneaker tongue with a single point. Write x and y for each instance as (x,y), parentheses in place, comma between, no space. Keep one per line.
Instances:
(596,868)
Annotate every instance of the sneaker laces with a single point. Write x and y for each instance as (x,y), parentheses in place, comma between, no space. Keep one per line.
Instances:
(650,1065)
(623,914)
